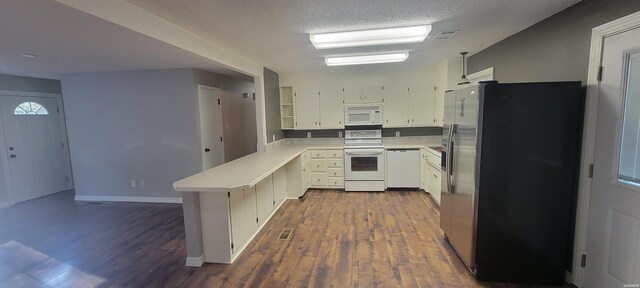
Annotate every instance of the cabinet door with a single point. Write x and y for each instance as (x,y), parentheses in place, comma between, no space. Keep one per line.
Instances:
(395,106)
(331,108)
(372,94)
(435,184)
(427,176)
(279,186)
(421,105)
(352,94)
(422,170)
(250,210)
(238,229)
(265,202)
(307,111)
(438,106)
(242,204)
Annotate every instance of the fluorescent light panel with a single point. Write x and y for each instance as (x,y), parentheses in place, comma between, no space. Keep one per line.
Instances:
(399,35)
(366,59)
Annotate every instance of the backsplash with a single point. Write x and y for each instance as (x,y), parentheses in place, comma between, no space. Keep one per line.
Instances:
(386,132)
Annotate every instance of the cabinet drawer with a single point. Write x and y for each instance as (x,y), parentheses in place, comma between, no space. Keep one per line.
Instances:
(318,179)
(335,182)
(335,172)
(318,165)
(334,163)
(305,157)
(318,153)
(433,159)
(335,153)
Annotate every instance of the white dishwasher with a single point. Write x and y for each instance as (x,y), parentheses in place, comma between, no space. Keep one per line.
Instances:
(403,168)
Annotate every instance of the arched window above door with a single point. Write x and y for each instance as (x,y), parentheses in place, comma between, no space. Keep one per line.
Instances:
(30,108)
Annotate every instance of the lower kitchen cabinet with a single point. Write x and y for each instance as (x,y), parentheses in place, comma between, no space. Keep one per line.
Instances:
(265,201)
(242,205)
(435,183)
(431,174)
(279,186)
(327,168)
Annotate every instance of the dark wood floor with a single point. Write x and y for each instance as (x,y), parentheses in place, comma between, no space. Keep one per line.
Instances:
(340,239)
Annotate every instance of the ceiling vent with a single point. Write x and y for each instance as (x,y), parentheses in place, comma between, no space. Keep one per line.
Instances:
(445,35)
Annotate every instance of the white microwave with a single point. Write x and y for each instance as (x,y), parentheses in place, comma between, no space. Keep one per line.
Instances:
(363,115)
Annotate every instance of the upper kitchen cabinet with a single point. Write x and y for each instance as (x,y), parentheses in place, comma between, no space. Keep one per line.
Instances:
(287,110)
(331,108)
(421,104)
(448,73)
(306,107)
(360,94)
(396,104)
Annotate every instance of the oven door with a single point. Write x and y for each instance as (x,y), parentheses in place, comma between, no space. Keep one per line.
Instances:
(364,164)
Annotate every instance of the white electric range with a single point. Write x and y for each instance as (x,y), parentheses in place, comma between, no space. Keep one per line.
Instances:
(364,160)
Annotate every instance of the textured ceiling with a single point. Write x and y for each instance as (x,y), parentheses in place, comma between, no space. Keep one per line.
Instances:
(70,41)
(275,32)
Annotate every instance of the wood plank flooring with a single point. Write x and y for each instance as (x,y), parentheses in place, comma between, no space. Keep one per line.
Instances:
(339,239)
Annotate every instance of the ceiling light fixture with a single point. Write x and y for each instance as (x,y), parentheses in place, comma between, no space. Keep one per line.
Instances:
(398,35)
(463,79)
(366,59)
(28,55)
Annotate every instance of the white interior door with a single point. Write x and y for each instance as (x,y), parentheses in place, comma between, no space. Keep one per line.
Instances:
(210,113)
(36,159)
(613,237)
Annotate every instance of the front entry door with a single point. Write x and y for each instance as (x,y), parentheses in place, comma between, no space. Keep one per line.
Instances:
(613,237)
(36,154)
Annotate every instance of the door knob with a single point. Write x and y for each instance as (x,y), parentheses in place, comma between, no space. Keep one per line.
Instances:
(10,148)
(12,156)
(207,149)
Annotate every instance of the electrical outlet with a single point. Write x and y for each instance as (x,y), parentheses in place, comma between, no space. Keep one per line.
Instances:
(273,138)
(141,183)
(339,134)
(308,134)
(397,133)
(133,184)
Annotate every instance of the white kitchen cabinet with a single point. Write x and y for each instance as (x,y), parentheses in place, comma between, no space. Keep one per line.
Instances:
(420,105)
(352,94)
(447,75)
(306,104)
(327,168)
(287,110)
(395,106)
(360,94)
(423,170)
(265,202)
(279,186)
(435,183)
(403,168)
(372,93)
(433,174)
(331,108)
(242,204)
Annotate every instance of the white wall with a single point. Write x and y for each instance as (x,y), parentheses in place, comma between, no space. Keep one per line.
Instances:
(126,126)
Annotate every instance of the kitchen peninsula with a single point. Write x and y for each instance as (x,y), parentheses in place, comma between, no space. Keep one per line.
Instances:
(226,206)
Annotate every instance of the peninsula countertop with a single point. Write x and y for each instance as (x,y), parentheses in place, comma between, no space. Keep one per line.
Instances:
(249,170)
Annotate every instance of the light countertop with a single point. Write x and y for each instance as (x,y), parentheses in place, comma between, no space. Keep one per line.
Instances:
(250,170)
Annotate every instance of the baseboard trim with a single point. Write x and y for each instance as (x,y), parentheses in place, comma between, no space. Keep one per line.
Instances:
(130,199)
(195,261)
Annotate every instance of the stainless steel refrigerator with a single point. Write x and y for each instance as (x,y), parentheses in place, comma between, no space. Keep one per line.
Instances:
(510,165)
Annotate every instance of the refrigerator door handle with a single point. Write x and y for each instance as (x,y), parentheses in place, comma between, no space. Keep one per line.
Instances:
(449,160)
